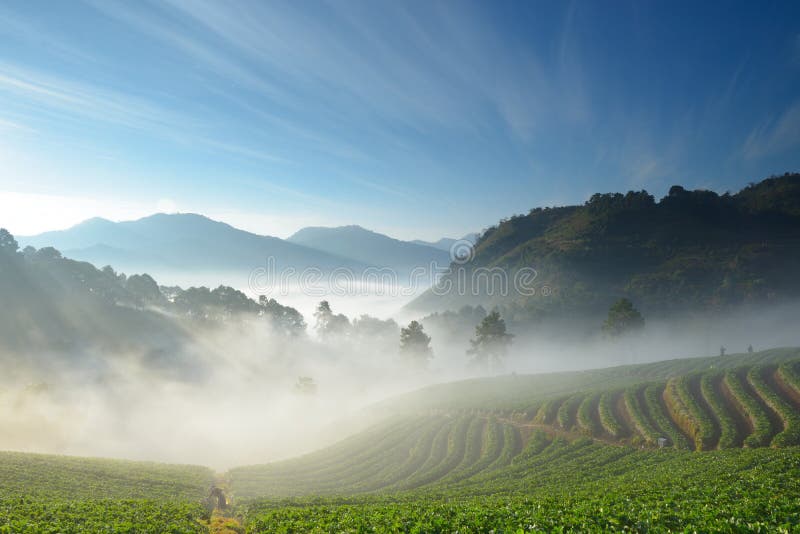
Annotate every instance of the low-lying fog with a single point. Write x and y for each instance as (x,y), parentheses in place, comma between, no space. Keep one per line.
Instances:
(234,398)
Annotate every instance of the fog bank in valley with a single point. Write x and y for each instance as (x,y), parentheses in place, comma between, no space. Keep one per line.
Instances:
(233,395)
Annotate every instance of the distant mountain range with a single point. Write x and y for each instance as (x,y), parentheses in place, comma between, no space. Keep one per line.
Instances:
(192,244)
(446,243)
(371,248)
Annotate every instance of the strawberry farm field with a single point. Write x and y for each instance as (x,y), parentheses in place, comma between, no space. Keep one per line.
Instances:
(59,494)
(706,445)
(723,491)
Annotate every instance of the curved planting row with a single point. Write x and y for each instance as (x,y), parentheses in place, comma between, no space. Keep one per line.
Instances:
(685,408)
(653,402)
(379,470)
(548,411)
(435,456)
(608,418)
(438,449)
(790,435)
(473,445)
(565,417)
(368,453)
(790,374)
(537,442)
(641,423)
(750,406)
(588,417)
(701,411)
(729,434)
(512,446)
(456,449)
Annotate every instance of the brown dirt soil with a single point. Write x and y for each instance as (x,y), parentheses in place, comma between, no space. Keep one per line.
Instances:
(743,425)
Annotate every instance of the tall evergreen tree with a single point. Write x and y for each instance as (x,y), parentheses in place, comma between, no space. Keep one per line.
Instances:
(7,242)
(491,341)
(622,318)
(415,343)
(329,323)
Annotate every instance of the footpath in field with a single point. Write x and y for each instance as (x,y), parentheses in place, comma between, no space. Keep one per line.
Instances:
(221,521)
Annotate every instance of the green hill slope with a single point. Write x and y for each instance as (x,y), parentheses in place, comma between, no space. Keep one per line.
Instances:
(62,308)
(692,250)
(573,460)
(700,405)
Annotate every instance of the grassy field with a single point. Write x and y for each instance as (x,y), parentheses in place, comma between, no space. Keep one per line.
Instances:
(562,452)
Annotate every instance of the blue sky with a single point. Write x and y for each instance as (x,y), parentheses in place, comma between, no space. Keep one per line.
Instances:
(418,119)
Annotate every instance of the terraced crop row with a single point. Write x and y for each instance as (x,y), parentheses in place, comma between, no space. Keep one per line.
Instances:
(729,434)
(587,422)
(751,407)
(638,416)
(790,434)
(436,449)
(566,412)
(684,404)
(608,418)
(653,396)
(528,393)
(572,487)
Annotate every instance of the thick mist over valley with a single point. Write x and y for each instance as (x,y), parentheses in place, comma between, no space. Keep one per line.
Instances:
(234,399)
(224,387)
(223,366)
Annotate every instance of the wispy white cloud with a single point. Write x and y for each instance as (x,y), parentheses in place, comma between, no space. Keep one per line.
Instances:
(775,135)
(80,99)
(13,126)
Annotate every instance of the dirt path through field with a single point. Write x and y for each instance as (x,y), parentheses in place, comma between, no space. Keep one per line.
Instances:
(222,521)
(223,524)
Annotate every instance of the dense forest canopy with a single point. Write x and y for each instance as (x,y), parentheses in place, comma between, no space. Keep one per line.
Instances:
(54,303)
(694,250)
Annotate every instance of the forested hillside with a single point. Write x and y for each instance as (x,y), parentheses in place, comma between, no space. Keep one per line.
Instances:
(52,304)
(691,250)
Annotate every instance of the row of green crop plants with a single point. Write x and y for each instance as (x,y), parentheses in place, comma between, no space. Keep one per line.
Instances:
(746,407)
(59,494)
(411,453)
(520,393)
(53,516)
(578,486)
(751,407)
